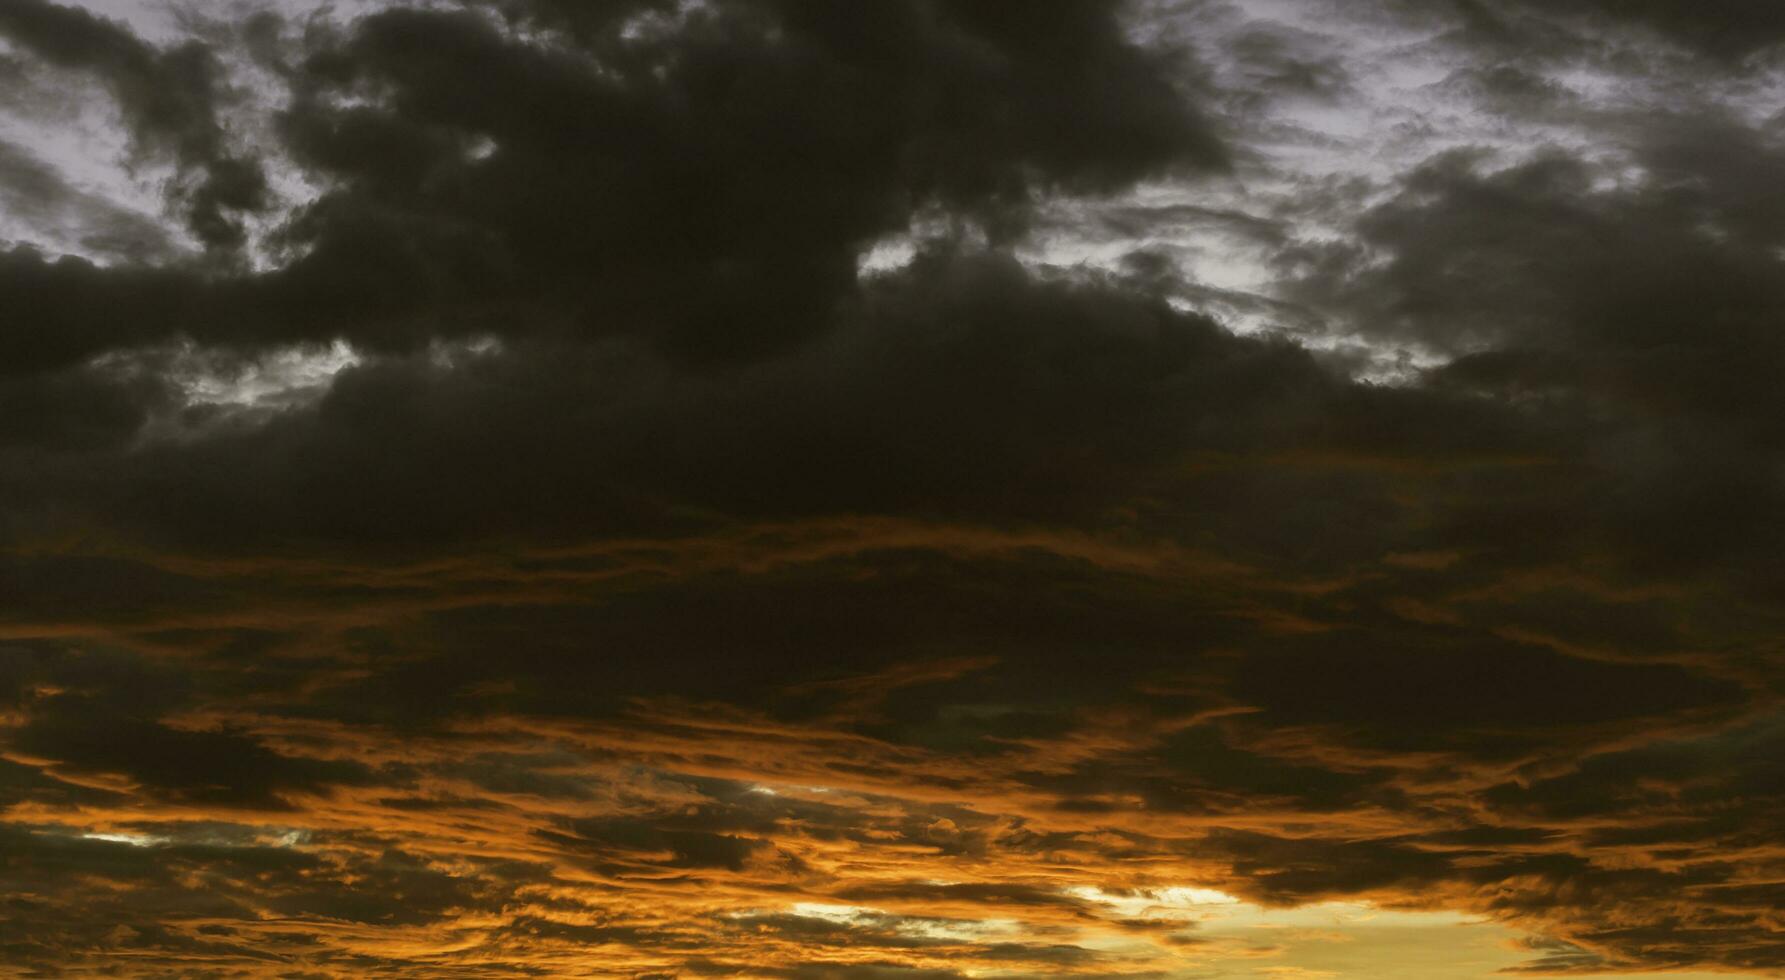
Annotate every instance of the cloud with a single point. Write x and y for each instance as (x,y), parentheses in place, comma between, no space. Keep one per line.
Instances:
(535,537)
(168,99)
(1729,30)
(39,198)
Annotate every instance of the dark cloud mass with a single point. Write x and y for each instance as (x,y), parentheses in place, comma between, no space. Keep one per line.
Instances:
(167,98)
(899,490)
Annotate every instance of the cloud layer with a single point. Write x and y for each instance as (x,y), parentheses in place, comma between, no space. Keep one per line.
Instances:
(900,491)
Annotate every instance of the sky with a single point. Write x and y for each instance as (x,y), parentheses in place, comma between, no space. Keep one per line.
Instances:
(892,490)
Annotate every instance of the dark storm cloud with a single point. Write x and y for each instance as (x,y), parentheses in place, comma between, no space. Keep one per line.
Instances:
(97,711)
(710,188)
(67,310)
(168,98)
(1640,313)
(653,587)
(200,767)
(918,402)
(72,898)
(1422,686)
(803,130)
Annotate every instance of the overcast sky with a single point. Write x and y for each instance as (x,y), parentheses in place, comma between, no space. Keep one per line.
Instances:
(892,489)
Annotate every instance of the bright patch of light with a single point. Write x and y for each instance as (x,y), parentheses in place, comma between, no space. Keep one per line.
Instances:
(886,256)
(274,377)
(832,913)
(232,387)
(134,840)
(480,147)
(919,927)
(1175,902)
(70,127)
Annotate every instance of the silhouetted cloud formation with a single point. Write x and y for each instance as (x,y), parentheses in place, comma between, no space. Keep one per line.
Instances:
(898,490)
